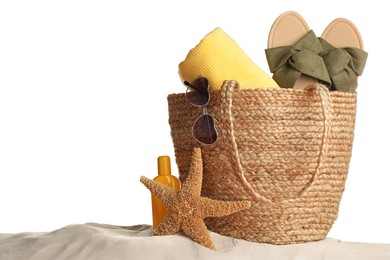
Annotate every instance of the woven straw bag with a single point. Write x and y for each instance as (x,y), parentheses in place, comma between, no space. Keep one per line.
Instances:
(286,150)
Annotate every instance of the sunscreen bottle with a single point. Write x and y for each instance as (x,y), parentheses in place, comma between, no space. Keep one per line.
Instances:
(164,176)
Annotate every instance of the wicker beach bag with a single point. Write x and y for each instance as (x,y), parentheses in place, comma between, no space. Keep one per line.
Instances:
(285,150)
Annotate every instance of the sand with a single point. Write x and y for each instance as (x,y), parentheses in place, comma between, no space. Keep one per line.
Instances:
(101,241)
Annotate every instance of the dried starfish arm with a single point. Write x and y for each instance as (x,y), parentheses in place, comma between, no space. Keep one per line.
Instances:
(197,230)
(215,208)
(165,193)
(170,225)
(193,182)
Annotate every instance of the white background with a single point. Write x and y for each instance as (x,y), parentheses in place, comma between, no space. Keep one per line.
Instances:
(83,110)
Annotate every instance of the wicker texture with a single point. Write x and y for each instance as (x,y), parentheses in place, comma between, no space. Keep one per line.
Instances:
(286,150)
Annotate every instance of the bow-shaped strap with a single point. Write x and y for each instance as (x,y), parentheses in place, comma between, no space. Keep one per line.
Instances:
(344,65)
(287,63)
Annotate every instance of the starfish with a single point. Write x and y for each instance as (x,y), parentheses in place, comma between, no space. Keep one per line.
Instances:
(187,209)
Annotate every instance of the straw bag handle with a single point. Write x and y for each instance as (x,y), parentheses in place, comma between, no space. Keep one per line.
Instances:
(228,89)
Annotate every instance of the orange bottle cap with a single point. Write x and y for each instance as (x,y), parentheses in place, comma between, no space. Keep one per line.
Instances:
(164,165)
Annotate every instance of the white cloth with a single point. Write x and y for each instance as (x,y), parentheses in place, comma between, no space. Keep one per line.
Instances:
(108,242)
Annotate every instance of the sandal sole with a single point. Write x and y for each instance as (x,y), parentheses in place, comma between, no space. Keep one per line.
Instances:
(287,29)
(341,33)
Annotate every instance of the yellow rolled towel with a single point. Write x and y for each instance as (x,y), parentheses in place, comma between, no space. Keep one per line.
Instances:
(218,57)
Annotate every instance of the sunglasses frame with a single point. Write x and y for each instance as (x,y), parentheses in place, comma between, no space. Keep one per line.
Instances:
(192,87)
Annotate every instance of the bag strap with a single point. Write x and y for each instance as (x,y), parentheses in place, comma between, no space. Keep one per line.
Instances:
(227,131)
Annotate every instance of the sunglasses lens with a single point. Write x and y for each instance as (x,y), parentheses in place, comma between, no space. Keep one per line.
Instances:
(204,130)
(198,92)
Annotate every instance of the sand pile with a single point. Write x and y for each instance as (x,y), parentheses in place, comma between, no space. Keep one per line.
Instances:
(99,241)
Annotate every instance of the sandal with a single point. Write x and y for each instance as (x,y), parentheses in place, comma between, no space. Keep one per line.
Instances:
(343,54)
(293,53)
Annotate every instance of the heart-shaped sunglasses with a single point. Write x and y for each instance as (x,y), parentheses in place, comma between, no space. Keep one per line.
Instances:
(198,94)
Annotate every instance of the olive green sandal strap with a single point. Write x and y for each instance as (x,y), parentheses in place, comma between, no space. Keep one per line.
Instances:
(344,65)
(287,63)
